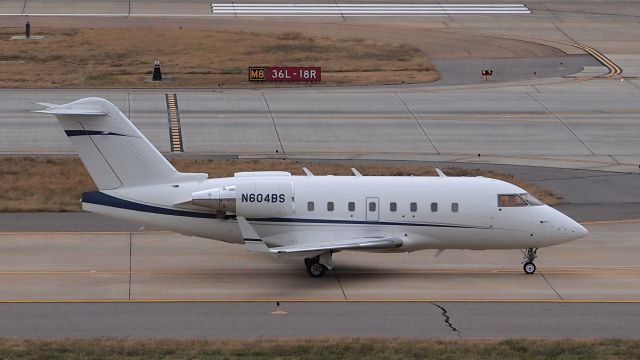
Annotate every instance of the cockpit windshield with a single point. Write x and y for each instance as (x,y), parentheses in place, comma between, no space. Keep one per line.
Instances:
(531,200)
(512,200)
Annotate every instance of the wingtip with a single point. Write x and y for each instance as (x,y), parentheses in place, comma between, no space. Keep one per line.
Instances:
(48,107)
(86,106)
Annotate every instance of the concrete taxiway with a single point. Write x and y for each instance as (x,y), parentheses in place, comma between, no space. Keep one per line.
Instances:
(569,124)
(162,284)
(160,266)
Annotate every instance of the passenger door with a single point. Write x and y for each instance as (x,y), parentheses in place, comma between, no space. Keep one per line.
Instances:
(373,209)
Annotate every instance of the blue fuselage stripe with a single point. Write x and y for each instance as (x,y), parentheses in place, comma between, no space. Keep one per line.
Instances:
(90,132)
(99,198)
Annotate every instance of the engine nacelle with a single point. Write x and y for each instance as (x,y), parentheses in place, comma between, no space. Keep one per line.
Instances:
(219,199)
(250,198)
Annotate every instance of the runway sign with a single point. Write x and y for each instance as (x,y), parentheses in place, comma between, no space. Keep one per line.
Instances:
(257,73)
(336,9)
(286,73)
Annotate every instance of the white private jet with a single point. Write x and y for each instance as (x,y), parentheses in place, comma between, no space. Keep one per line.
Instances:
(309,216)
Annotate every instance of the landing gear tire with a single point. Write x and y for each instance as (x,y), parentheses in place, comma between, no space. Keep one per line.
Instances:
(317,266)
(527,262)
(316,270)
(529,267)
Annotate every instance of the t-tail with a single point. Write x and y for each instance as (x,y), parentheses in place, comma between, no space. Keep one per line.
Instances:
(113,150)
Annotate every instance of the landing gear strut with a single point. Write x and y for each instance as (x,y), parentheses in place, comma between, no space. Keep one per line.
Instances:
(529,256)
(317,266)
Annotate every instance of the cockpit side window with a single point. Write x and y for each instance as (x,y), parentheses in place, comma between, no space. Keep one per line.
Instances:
(510,200)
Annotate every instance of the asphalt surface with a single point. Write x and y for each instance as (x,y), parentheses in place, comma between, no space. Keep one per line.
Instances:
(570,124)
(467,71)
(246,320)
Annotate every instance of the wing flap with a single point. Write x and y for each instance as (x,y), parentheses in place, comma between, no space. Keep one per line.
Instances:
(364,243)
(254,242)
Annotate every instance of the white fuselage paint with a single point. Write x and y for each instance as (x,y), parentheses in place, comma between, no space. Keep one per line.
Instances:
(478,224)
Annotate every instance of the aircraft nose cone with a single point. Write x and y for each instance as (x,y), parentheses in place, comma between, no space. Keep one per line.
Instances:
(582,231)
(578,231)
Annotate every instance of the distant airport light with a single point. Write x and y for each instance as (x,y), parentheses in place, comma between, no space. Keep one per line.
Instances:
(157,73)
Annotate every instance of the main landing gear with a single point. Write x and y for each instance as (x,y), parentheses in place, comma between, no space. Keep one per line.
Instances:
(317,266)
(529,255)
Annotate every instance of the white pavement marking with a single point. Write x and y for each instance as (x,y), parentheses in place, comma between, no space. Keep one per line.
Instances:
(336,9)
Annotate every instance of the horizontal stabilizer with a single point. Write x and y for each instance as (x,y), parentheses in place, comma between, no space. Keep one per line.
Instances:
(68,110)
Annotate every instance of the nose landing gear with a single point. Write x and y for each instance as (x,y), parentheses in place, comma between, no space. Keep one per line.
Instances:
(529,256)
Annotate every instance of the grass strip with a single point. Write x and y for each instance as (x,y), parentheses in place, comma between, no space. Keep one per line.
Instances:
(57,183)
(318,348)
(123,58)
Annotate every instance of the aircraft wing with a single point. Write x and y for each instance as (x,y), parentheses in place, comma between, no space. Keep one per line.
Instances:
(253,242)
(364,243)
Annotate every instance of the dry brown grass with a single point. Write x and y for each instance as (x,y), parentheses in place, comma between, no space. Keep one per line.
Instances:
(310,348)
(112,58)
(56,184)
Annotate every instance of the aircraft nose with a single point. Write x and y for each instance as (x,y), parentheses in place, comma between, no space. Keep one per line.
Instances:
(577,231)
(580,231)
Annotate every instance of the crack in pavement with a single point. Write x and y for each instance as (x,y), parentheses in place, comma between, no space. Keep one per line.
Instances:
(551,286)
(335,272)
(447,319)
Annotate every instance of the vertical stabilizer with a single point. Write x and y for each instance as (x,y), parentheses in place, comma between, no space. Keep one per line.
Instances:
(115,152)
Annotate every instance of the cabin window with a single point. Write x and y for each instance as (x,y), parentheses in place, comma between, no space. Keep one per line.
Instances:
(454,207)
(434,207)
(310,206)
(511,200)
(352,206)
(372,206)
(413,207)
(330,206)
(393,207)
